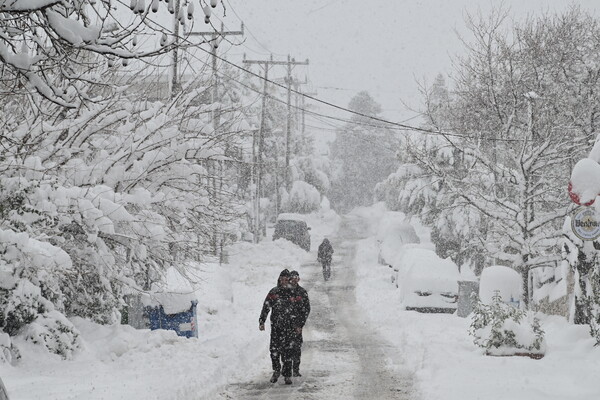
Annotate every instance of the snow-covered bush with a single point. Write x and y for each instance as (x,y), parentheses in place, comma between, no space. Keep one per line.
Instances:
(501,329)
(103,201)
(55,332)
(26,311)
(303,198)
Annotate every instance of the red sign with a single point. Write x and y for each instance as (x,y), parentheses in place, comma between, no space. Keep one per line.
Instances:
(575,197)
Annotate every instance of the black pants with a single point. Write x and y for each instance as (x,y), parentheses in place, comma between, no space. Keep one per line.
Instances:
(280,347)
(296,351)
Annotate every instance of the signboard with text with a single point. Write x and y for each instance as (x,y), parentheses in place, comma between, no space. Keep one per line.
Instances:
(585,223)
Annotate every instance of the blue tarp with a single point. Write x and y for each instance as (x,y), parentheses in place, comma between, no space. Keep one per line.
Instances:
(184,323)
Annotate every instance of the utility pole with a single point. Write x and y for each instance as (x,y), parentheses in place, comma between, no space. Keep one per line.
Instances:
(215,40)
(288,128)
(265,64)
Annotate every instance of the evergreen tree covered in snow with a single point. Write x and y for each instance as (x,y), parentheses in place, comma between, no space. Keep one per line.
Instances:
(502,329)
(362,155)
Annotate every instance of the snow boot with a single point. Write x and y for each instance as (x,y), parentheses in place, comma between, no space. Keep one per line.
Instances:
(275,376)
(296,373)
(288,380)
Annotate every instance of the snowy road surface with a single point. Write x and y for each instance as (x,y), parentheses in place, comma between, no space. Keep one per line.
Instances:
(343,357)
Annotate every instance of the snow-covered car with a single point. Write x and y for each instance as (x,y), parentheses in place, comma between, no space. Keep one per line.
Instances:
(502,280)
(430,283)
(293,228)
(393,233)
(3,392)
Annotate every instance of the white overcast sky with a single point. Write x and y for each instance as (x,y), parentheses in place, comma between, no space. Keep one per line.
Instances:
(382,46)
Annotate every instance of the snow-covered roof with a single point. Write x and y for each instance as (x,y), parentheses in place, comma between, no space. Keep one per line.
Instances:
(290,217)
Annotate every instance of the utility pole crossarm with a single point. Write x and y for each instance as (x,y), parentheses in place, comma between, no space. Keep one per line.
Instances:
(220,33)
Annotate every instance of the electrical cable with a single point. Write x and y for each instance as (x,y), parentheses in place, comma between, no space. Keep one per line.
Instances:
(446,135)
(371,117)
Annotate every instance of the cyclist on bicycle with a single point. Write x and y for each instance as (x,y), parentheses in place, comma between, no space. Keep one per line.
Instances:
(324,256)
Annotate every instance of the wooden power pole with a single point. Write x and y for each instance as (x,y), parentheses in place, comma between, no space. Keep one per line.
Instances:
(288,127)
(266,64)
(258,157)
(214,42)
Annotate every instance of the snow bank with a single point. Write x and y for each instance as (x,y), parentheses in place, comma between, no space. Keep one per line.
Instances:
(120,362)
(447,365)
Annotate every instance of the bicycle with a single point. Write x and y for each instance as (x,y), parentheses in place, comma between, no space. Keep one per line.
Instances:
(326,264)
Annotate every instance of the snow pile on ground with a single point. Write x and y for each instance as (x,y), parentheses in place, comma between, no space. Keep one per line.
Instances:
(446,363)
(120,362)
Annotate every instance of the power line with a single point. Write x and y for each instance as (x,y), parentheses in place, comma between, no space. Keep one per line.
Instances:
(253,36)
(371,117)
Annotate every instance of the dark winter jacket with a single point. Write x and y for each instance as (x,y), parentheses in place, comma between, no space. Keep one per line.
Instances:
(301,306)
(325,250)
(279,303)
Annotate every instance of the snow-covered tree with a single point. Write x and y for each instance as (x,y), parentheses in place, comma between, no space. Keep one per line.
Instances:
(53,47)
(522,107)
(362,155)
(303,198)
(98,201)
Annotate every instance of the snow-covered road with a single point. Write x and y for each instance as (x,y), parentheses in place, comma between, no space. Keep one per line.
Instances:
(343,356)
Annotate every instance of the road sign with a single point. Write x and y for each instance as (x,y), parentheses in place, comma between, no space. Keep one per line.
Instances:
(585,223)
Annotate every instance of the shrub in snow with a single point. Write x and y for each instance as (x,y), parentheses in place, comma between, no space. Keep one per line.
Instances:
(501,329)
(25,311)
(20,306)
(55,332)
(303,198)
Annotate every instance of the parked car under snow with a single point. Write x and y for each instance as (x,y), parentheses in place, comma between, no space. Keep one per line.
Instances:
(292,227)
(430,283)
(392,235)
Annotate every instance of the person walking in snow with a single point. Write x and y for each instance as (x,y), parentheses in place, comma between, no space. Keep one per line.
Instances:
(324,256)
(299,317)
(279,303)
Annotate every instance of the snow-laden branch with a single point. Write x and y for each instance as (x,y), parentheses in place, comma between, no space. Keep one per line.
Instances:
(27,6)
